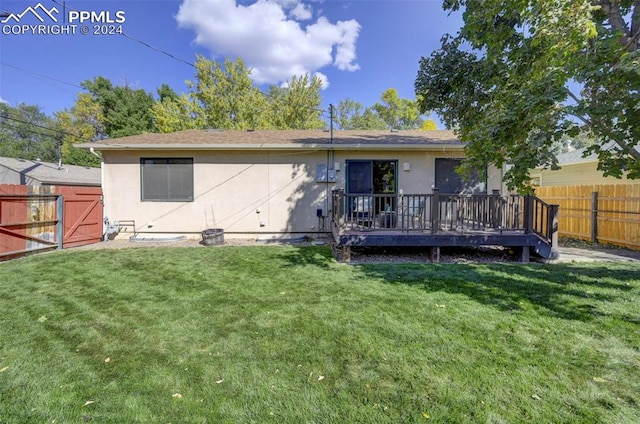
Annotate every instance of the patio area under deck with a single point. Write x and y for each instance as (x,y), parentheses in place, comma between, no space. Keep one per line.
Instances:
(441,220)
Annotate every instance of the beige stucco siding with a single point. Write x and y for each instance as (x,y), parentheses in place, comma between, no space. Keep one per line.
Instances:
(246,192)
(251,192)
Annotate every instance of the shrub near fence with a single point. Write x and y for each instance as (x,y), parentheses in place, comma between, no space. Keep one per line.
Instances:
(603,213)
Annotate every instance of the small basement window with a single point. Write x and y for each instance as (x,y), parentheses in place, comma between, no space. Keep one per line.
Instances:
(166,179)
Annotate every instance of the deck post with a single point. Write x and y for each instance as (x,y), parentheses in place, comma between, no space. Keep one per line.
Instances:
(553,227)
(435,211)
(346,254)
(435,254)
(528,213)
(495,209)
(524,254)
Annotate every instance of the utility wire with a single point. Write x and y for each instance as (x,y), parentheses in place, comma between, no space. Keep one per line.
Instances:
(147,45)
(64,133)
(27,130)
(26,71)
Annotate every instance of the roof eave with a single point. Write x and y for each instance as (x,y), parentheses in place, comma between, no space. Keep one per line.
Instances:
(310,147)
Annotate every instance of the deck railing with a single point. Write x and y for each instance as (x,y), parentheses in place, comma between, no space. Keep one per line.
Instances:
(443,212)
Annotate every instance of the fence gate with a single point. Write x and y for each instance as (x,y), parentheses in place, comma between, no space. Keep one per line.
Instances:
(82,215)
(35,218)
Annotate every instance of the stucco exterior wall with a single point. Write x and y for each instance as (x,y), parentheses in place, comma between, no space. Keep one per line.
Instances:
(251,193)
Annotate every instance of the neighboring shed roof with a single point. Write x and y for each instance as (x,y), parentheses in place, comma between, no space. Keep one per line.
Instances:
(577,156)
(281,139)
(49,173)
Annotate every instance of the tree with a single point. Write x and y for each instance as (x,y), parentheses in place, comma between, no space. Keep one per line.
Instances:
(397,113)
(28,133)
(346,112)
(520,76)
(297,104)
(83,123)
(429,125)
(126,111)
(392,113)
(224,96)
(176,114)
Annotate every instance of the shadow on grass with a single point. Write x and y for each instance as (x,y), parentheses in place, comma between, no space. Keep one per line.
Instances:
(320,256)
(569,291)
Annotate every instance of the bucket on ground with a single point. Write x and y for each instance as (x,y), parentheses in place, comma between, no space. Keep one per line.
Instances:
(213,236)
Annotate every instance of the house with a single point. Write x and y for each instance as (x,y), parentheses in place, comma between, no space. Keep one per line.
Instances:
(36,173)
(575,169)
(275,183)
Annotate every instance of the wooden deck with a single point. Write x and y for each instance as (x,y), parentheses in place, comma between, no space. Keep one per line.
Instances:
(525,223)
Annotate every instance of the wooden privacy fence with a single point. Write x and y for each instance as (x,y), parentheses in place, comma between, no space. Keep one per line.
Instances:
(603,213)
(35,218)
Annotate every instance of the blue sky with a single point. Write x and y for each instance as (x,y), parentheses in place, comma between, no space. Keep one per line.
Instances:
(359,48)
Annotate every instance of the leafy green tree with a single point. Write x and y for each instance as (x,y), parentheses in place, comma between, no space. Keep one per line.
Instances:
(397,113)
(166,92)
(520,76)
(126,111)
(429,125)
(391,113)
(226,97)
(345,113)
(297,105)
(178,113)
(369,120)
(83,123)
(28,133)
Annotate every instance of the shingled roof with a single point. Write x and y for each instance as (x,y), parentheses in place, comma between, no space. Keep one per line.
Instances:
(51,173)
(281,139)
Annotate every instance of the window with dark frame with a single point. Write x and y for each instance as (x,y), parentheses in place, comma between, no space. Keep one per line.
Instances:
(450,182)
(166,179)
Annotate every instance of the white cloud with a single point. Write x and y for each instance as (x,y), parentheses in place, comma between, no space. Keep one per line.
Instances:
(323,78)
(301,12)
(3,101)
(269,37)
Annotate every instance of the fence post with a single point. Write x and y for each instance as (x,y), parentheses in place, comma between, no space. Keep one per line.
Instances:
(60,219)
(435,211)
(594,216)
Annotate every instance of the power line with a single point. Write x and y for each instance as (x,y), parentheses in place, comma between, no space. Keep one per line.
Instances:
(63,133)
(26,71)
(147,45)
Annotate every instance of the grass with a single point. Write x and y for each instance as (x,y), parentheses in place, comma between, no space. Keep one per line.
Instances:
(285,335)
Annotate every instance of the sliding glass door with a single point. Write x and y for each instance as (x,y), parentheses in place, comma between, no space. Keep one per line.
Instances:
(371,176)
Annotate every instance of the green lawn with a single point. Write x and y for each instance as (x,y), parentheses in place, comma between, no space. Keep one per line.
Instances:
(273,334)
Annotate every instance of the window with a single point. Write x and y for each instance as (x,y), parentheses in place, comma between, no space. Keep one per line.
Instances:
(166,180)
(371,176)
(450,182)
